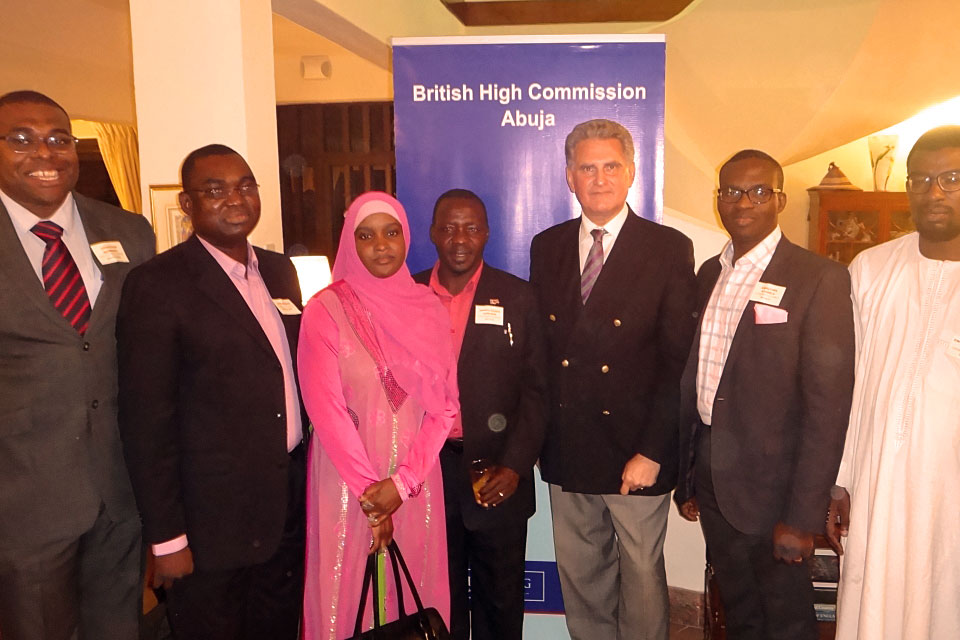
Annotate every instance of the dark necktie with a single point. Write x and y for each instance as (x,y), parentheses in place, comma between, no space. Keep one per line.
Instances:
(61,277)
(591,268)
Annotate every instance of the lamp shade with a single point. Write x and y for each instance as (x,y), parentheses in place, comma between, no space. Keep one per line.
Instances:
(313,273)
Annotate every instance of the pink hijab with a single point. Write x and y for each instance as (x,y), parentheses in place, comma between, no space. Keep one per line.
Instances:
(412,327)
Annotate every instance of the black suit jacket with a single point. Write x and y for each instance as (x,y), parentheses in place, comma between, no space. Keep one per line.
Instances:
(781,409)
(502,380)
(202,407)
(614,364)
(60,457)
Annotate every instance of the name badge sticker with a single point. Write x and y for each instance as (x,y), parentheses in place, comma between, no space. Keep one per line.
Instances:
(109,252)
(767,293)
(286,307)
(488,314)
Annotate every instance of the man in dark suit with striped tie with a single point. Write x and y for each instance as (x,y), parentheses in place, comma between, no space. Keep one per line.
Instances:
(69,530)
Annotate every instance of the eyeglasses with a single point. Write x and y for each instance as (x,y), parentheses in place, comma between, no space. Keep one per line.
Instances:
(758,194)
(948,181)
(222,193)
(25,143)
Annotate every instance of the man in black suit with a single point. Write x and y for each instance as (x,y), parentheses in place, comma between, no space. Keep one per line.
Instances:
(502,383)
(617,294)
(69,531)
(765,400)
(210,414)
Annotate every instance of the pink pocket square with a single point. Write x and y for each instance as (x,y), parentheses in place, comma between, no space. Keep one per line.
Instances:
(765,314)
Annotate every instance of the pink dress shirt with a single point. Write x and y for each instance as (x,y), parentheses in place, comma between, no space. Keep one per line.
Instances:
(458,306)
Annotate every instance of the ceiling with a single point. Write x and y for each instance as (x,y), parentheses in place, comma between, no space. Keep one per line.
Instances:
(795,77)
(485,13)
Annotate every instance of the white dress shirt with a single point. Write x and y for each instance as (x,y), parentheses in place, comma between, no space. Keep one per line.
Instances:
(611,231)
(74,237)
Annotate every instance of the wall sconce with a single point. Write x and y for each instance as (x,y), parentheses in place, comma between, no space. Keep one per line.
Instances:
(316,67)
(313,272)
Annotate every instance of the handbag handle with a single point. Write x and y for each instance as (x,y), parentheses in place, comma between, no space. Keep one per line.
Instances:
(371,576)
(396,556)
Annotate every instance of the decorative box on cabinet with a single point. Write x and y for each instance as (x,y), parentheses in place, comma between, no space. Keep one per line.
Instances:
(843,223)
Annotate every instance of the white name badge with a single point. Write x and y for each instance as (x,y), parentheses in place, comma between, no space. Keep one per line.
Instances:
(286,307)
(953,346)
(488,314)
(109,252)
(766,293)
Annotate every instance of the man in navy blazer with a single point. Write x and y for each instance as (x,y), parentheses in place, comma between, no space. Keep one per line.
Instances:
(210,416)
(616,294)
(502,380)
(69,531)
(765,398)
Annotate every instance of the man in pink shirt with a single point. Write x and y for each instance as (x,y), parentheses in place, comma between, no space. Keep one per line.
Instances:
(497,334)
(210,413)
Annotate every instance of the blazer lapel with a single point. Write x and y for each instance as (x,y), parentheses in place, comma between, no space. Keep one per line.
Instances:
(568,271)
(629,245)
(773,274)
(216,284)
(14,261)
(471,334)
(111,275)
(277,287)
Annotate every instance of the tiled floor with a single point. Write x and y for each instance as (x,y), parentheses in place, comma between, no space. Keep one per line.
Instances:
(680,632)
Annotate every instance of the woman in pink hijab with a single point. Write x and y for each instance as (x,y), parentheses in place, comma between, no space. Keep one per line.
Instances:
(378,378)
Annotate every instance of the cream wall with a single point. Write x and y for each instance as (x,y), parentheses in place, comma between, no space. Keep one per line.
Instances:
(219,89)
(65,50)
(353,78)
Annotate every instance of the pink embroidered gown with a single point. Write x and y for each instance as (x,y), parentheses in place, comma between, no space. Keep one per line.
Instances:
(365,429)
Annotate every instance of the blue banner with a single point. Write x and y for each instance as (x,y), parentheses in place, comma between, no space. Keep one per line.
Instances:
(491,115)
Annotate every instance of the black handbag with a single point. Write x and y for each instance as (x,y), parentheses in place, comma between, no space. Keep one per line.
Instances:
(425,624)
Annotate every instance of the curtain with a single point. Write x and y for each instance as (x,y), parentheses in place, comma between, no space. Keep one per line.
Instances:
(118,146)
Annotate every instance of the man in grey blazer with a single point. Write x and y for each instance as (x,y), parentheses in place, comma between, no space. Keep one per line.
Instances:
(69,530)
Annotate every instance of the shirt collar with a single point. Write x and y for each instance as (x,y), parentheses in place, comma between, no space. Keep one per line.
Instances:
(441,290)
(230,265)
(612,227)
(757,256)
(24,219)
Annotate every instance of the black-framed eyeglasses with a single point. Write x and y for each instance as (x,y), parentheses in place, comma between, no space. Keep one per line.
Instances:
(21,142)
(757,194)
(223,192)
(948,181)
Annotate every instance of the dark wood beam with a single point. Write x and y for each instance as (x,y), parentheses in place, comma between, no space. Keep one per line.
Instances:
(521,12)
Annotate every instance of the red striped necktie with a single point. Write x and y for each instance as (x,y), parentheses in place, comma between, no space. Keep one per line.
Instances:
(61,277)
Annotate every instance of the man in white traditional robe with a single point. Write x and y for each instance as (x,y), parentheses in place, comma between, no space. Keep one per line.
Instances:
(895,499)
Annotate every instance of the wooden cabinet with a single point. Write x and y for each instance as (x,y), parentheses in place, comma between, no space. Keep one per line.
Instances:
(844,223)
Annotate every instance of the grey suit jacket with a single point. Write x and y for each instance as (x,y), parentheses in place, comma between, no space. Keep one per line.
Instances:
(60,454)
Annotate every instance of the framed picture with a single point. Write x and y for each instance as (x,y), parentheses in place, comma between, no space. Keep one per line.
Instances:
(170,224)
